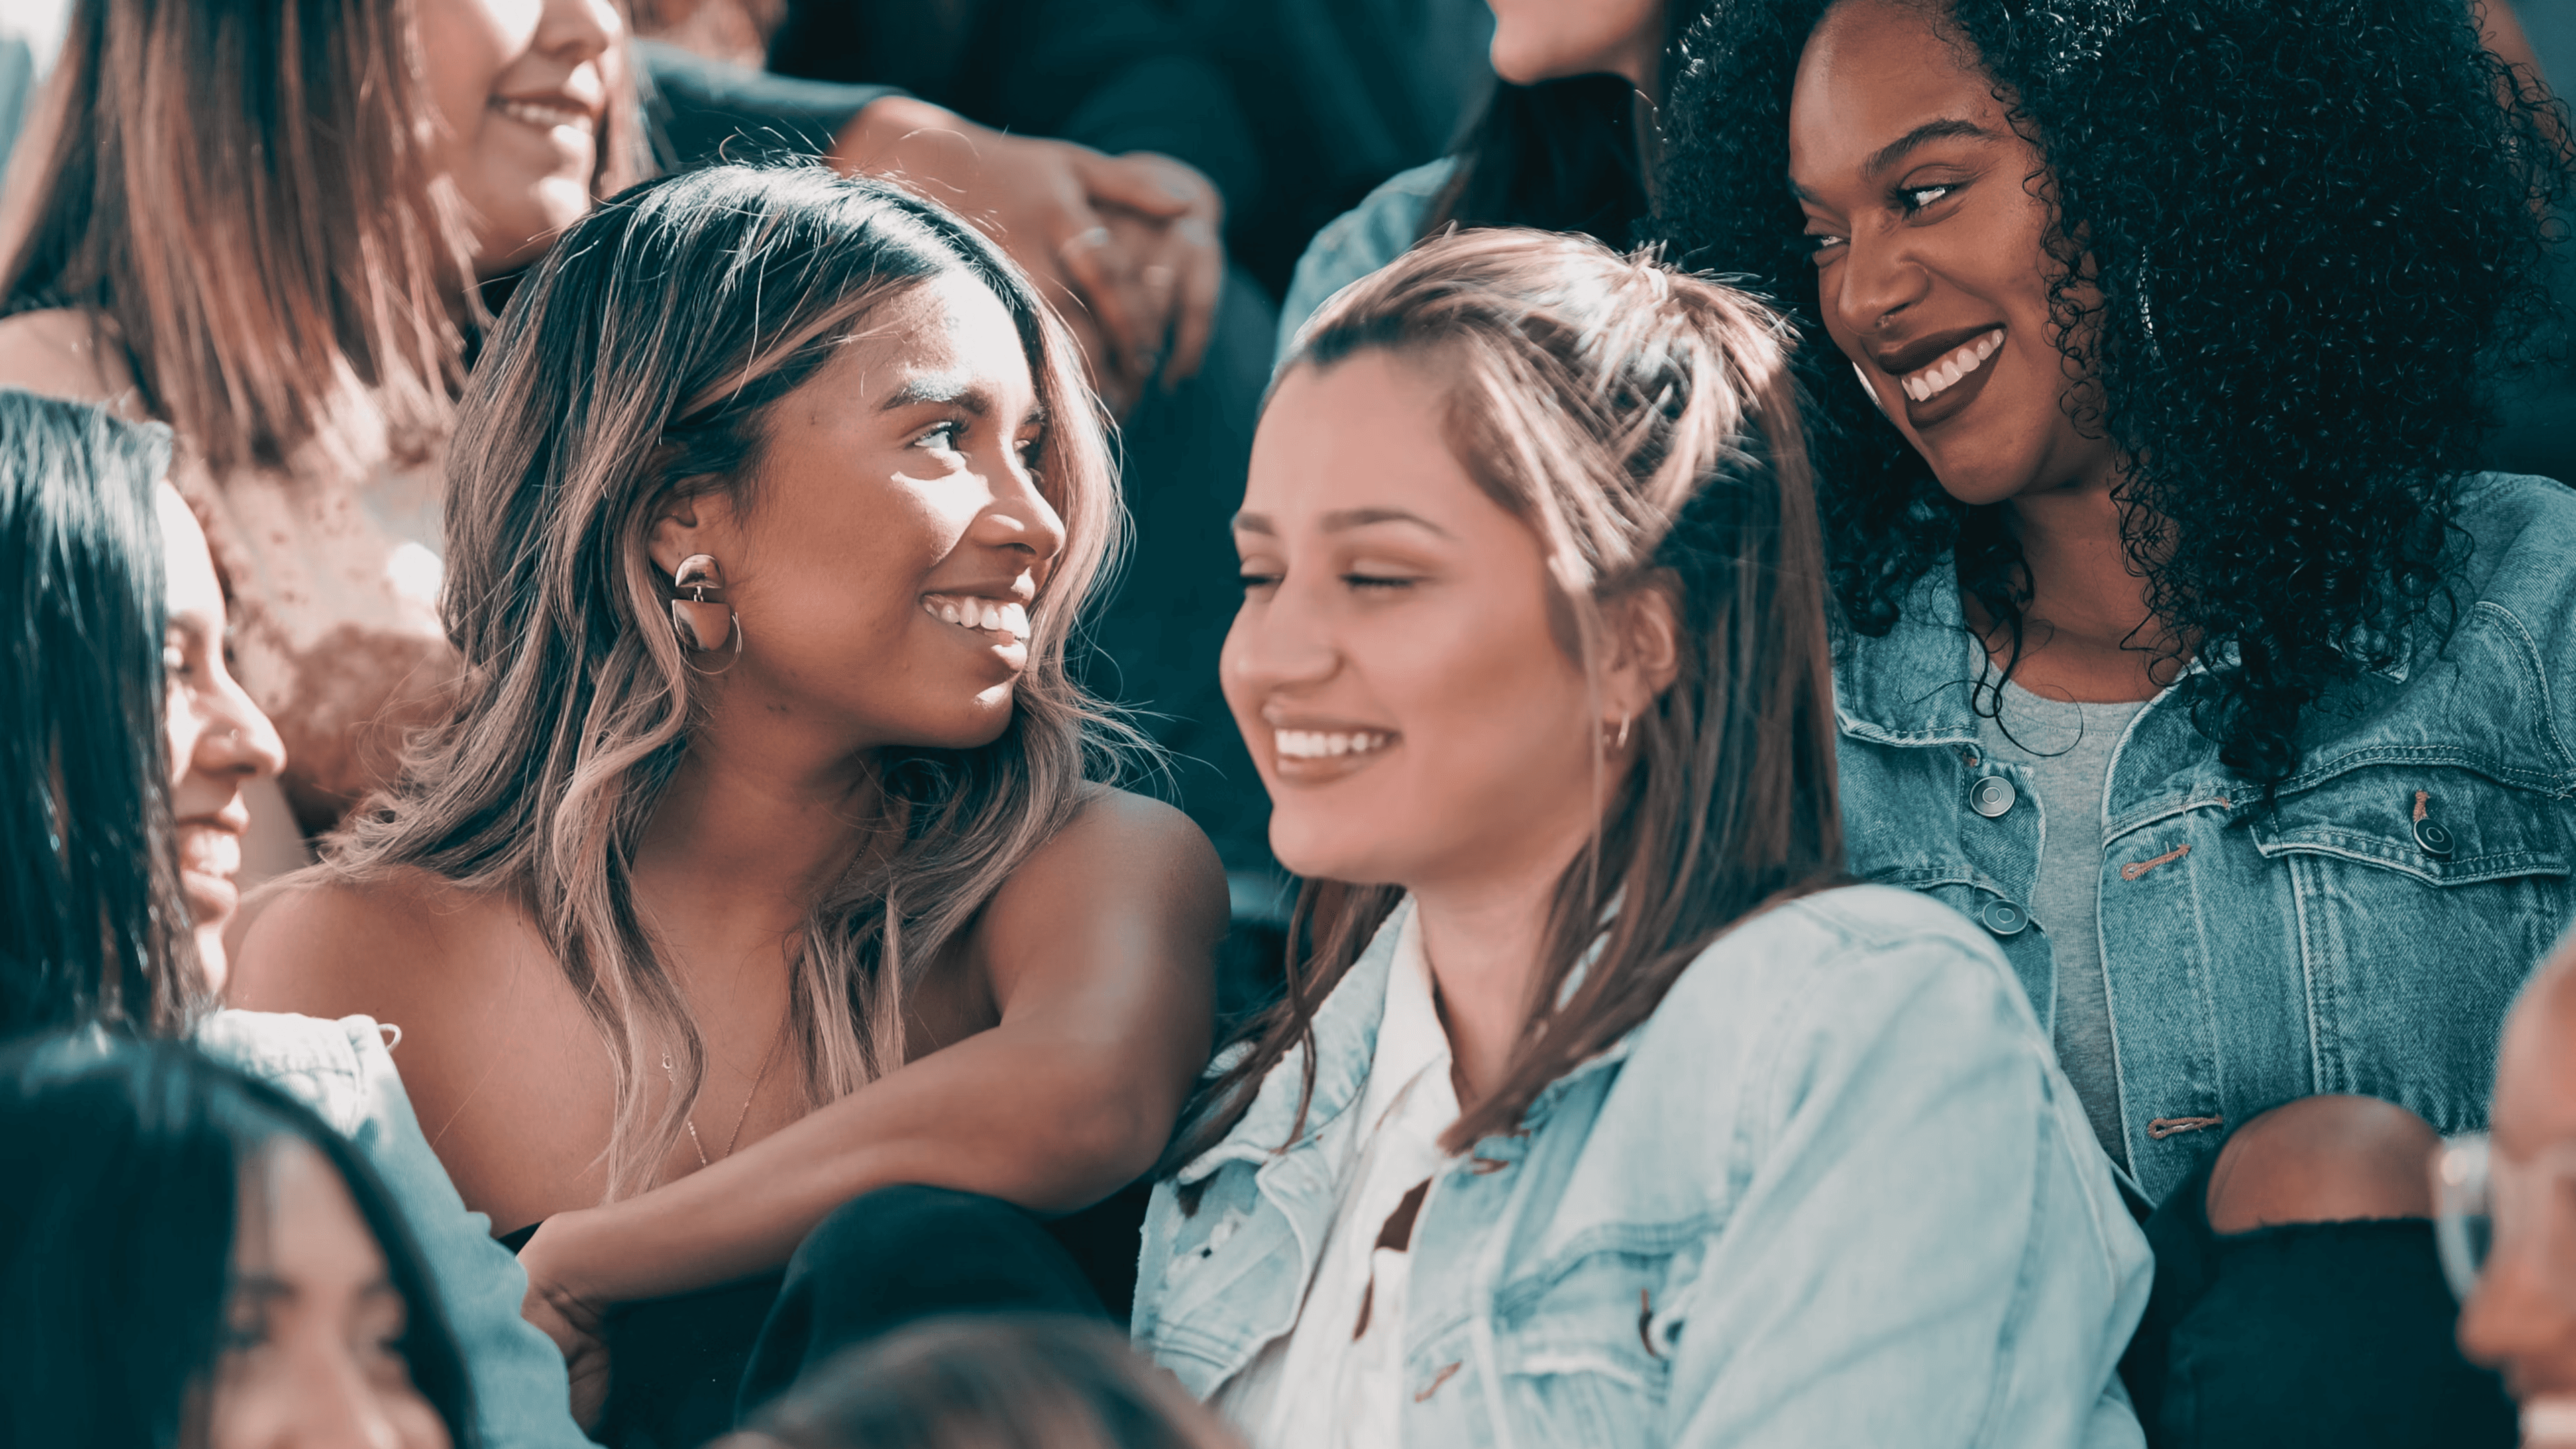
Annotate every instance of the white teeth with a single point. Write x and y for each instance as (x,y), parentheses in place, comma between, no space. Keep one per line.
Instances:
(1946,372)
(1002,617)
(1322,744)
(544,115)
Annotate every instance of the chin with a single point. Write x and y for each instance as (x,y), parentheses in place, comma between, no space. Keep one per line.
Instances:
(1342,849)
(210,956)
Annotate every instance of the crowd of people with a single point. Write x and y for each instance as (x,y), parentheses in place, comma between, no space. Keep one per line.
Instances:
(769,723)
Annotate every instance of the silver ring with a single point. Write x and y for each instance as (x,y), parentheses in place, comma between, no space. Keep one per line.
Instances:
(1093,236)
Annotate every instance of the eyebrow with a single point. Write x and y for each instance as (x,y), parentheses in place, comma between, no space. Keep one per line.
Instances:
(1341,520)
(1946,129)
(955,389)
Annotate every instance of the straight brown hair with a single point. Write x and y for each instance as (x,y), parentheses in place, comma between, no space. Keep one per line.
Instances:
(1644,423)
(241,196)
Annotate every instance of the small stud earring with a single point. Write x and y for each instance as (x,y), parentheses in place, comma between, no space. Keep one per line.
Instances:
(699,614)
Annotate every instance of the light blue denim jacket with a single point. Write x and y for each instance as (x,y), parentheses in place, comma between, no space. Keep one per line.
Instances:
(2365,936)
(1833,1192)
(342,1070)
(1381,228)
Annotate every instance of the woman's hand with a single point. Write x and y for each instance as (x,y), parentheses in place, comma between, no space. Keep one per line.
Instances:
(569,1317)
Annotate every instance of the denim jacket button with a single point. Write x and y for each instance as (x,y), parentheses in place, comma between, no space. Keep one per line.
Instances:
(2434,839)
(1991,796)
(2003,917)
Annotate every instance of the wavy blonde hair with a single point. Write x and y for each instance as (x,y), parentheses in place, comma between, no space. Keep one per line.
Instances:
(638,363)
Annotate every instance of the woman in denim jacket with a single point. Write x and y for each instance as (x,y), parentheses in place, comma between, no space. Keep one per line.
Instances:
(1599,1113)
(2153,342)
(128,747)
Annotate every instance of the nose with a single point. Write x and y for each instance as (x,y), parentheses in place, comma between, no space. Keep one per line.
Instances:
(1878,279)
(238,739)
(1019,517)
(575,31)
(2522,1320)
(1279,645)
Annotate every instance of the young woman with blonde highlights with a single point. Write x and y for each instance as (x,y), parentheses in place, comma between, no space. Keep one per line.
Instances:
(768,779)
(1601,1112)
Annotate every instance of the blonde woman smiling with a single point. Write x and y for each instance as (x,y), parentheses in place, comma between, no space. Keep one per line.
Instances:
(1600,1113)
(760,867)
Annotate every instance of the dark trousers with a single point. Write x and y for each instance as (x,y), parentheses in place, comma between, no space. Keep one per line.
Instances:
(2336,1335)
(685,1369)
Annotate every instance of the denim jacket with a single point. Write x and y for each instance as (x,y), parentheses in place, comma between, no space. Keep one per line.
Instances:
(2366,934)
(1834,1191)
(1381,228)
(342,1070)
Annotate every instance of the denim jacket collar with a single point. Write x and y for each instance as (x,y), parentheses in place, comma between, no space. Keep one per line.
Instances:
(1915,687)
(1345,1041)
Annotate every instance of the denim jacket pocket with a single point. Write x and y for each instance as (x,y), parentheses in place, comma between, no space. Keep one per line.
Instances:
(2390,866)
(1585,1348)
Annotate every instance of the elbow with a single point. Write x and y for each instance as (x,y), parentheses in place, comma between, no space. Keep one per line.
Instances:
(1102,1142)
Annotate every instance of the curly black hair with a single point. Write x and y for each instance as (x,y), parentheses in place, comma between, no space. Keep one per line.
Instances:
(2314,237)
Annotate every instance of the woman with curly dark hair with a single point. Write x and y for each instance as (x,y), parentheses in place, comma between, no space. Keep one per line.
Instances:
(2149,346)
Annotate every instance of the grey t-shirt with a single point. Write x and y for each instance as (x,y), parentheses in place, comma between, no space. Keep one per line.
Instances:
(2067,750)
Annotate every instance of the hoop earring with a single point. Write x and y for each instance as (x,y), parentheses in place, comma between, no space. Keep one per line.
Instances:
(699,612)
(1620,742)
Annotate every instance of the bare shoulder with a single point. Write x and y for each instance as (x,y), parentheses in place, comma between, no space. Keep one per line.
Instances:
(1126,850)
(1128,887)
(391,948)
(62,352)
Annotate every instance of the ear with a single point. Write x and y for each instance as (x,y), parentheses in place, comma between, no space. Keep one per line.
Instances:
(688,523)
(1642,628)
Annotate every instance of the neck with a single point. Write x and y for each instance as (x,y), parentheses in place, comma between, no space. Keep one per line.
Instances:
(2087,633)
(757,821)
(1482,937)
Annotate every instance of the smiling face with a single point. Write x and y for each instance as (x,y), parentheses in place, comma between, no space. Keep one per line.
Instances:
(1932,269)
(1397,667)
(521,88)
(219,740)
(1538,40)
(313,1330)
(884,558)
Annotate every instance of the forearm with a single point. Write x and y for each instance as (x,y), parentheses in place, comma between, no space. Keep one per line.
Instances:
(1041,1124)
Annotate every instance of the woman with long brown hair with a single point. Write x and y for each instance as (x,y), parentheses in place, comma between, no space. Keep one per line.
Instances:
(761,869)
(1600,1111)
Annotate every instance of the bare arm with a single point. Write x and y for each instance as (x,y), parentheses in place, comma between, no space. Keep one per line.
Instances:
(1099,950)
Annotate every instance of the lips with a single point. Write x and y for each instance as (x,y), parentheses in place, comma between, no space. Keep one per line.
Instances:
(1941,373)
(1006,617)
(1316,752)
(548,112)
(210,859)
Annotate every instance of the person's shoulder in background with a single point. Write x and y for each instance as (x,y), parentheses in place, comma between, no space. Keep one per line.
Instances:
(1381,228)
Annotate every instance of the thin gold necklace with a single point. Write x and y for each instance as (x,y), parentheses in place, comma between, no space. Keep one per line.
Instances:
(670,1073)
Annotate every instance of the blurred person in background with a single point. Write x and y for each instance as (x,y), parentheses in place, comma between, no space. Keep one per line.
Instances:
(1567,141)
(771,944)
(120,715)
(991,1381)
(2507,1198)
(191,1259)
